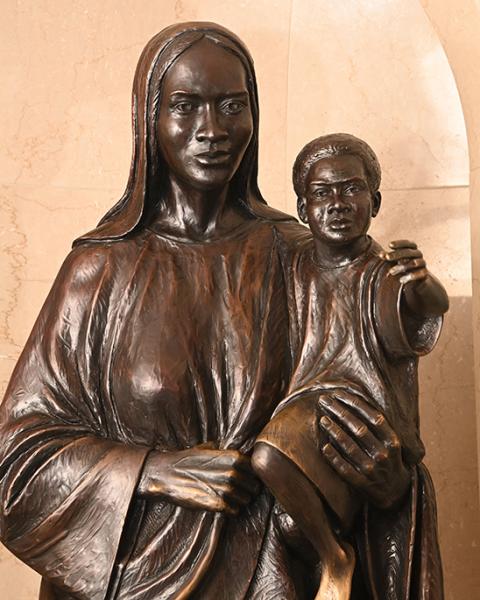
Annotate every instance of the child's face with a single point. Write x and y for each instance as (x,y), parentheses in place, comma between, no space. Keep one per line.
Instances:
(338,204)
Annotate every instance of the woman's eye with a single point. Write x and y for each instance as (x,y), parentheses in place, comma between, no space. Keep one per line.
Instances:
(232,107)
(183,108)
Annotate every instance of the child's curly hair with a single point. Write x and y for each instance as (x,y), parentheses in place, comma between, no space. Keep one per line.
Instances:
(335,144)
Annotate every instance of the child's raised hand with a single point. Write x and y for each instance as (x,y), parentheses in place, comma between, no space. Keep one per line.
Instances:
(424,294)
(408,262)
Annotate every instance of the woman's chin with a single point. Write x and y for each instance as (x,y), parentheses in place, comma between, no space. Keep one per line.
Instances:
(211,179)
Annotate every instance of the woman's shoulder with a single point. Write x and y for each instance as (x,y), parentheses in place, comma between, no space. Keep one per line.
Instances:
(90,263)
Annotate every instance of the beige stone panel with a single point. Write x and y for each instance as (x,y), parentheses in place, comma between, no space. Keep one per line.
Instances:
(458,24)
(67,91)
(447,403)
(438,221)
(17,581)
(377,69)
(68,73)
(37,226)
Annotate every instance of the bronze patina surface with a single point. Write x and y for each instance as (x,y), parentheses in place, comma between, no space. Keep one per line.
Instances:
(172,335)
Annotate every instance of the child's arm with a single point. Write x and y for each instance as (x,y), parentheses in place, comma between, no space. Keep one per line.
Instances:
(424,295)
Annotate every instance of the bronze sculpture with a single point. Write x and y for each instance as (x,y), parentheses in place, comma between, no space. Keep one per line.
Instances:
(159,356)
(363,317)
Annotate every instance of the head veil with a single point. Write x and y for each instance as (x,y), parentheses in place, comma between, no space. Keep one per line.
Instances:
(147,171)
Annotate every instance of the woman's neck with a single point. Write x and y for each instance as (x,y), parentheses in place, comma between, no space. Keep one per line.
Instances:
(196,214)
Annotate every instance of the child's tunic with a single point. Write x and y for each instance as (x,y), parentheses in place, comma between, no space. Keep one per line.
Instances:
(351,332)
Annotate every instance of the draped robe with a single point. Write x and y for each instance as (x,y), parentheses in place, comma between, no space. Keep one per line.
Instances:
(145,343)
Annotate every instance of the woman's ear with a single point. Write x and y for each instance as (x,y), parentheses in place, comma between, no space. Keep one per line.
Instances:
(302,209)
(377,201)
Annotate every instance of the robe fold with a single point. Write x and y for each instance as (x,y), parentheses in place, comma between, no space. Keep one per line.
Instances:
(146,343)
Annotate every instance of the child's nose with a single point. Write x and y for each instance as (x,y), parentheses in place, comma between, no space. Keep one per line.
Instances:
(338,204)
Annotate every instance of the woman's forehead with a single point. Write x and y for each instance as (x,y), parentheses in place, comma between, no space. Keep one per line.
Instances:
(206,68)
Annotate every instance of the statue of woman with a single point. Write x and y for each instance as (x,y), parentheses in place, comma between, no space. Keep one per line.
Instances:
(161,352)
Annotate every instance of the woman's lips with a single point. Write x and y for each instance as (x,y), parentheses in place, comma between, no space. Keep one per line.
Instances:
(217,157)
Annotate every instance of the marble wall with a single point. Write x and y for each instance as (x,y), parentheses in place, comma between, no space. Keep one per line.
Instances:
(456,27)
(375,68)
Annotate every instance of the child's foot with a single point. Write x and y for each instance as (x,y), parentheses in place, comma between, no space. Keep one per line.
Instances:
(336,580)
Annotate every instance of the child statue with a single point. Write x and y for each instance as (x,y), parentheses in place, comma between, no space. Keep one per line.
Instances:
(364,316)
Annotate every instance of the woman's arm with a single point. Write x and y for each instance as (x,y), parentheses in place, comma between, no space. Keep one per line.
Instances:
(364,449)
(68,476)
(201,478)
(67,479)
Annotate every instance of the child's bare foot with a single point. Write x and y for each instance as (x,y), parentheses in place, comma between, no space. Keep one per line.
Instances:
(337,573)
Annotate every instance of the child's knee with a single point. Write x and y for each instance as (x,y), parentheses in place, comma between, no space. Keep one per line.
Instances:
(262,460)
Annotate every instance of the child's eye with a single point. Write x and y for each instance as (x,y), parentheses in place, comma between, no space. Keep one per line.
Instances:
(352,189)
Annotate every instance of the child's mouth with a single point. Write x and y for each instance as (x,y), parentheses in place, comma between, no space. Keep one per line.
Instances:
(340,224)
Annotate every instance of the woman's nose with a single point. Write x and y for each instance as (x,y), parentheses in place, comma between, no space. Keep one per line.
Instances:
(210,127)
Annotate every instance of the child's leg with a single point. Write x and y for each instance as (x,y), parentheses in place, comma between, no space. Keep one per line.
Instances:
(298,497)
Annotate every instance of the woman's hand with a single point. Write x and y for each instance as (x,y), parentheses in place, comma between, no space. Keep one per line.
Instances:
(364,449)
(200,478)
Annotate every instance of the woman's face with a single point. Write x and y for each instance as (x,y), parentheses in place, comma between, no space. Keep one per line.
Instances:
(204,120)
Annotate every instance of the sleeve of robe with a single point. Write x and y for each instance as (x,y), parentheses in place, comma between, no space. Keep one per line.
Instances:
(66,483)
(402,335)
(399,548)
